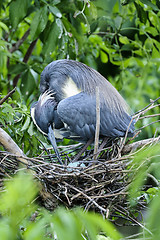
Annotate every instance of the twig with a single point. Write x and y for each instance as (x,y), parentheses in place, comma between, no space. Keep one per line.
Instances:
(93,188)
(148,125)
(152,102)
(133,146)
(7,96)
(97,123)
(134,220)
(85,195)
(125,137)
(149,116)
(25,60)
(19,42)
(76,158)
(153,178)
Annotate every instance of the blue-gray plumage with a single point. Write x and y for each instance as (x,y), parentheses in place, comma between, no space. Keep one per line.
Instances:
(68,103)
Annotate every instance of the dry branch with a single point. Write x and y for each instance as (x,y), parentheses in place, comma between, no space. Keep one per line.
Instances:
(97,123)
(19,42)
(25,60)
(7,96)
(132,147)
(7,142)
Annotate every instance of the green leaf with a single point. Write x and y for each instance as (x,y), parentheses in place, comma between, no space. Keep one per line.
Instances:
(141,163)
(93,10)
(69,222)
(124,40)
(17,68)
(155,53)
(17,11)
(148,44)
(4,26)
(35,230)
(28,83)
(39,22)
(141,13)
(15,200)
(152,30)
(150,4)
(26,124)
(54,33)
(104,56)
(55,11)
(96,222)
(30,129)
(153,216)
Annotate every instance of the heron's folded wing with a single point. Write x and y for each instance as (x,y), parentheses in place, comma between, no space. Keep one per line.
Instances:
(79,113)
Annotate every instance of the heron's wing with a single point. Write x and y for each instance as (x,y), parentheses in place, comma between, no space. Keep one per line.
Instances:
(79,113)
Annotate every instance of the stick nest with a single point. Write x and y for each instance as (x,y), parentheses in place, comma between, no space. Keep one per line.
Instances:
(92,184)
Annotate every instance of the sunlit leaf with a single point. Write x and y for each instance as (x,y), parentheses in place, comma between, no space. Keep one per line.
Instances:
(141,13)
(104,57)
(55,11)
(18,10)
(150,4)
(39,22)
(26,124)
(141,164)
(51,42)
(124,40)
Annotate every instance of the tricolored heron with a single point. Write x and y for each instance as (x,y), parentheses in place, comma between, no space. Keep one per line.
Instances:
(67,105)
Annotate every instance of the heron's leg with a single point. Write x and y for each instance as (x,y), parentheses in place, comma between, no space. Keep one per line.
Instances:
(53,142)
(82,150)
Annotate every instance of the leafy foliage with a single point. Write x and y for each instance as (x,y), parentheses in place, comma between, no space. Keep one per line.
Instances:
(145,164)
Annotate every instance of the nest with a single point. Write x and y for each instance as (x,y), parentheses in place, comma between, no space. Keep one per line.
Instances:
(96,181)
(91,183)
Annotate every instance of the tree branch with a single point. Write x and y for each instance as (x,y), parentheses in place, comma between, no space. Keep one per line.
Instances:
(7,96)
(19,42)
(136,145)
(25,60)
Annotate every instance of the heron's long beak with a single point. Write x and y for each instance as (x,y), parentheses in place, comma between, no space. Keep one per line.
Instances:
(53,142)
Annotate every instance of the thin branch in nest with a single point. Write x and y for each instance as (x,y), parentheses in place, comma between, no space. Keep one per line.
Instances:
(125,137)
(45,149)
(133,146)
(148,106)
(76,158)
(98,186)
(148,125)
(97,123)
(149,116)
(86,196)
(133,220)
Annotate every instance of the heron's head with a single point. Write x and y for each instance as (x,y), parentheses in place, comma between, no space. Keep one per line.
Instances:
(43,111)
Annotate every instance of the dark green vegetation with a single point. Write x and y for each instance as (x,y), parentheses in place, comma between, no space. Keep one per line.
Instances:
(119,39)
